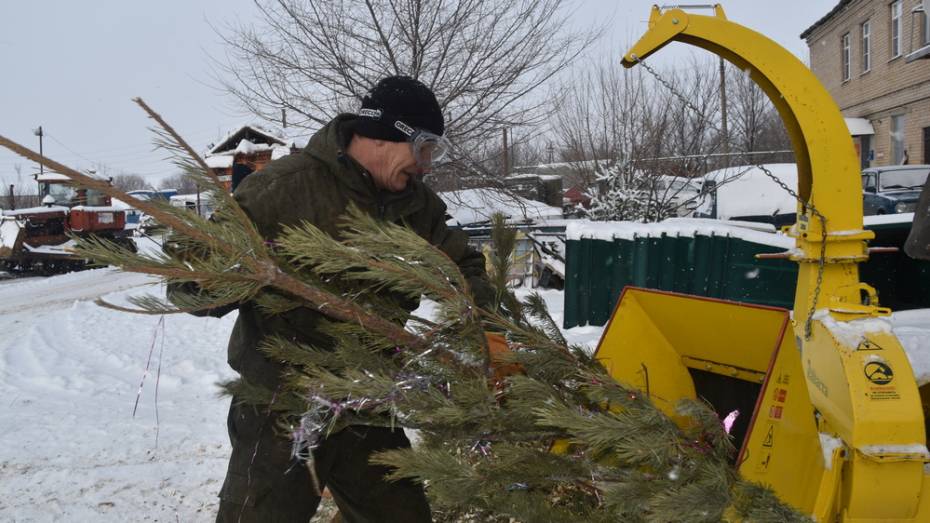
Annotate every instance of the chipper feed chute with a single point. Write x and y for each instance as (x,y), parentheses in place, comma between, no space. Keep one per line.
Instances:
(831,417)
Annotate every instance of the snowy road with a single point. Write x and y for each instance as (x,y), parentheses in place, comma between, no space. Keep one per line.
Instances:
(33,293)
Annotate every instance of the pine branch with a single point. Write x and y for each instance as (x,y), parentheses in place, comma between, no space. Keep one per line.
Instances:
(261,270)
(535,305)
(173,141)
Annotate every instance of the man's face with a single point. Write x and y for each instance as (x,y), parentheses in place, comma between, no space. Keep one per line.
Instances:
(397,166)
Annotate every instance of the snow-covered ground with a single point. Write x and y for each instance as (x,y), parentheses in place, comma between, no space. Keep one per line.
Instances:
(70,448)
(70,372)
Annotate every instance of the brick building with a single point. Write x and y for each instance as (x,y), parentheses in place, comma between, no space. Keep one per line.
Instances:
(874,58)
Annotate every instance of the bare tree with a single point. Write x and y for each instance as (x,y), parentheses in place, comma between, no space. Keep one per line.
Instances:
(316,58)
(755,124)
(19,190)
(601,118)
(179,182)
(633,141)
(130,182)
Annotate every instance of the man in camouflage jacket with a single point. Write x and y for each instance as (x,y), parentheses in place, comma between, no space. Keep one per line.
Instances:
(372,160)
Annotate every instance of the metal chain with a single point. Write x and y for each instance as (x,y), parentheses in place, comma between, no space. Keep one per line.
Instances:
(668,85)
(821,262)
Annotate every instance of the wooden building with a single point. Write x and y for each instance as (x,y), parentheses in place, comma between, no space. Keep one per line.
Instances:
(244,151)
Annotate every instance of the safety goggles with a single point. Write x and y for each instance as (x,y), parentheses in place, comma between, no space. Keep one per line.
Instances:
(428,148)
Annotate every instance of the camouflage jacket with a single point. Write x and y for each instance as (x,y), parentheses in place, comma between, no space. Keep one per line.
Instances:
(317,185)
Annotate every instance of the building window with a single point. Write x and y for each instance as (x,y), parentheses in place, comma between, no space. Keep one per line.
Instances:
(926,144)
(866,46)
(845,41)
(896,28)
(926,27)
(897,139)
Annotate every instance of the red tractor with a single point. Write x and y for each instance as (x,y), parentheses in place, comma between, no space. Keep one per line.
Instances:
(37,239)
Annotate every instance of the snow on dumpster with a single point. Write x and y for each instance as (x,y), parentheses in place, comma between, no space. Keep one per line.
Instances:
(761,233)
(472,206)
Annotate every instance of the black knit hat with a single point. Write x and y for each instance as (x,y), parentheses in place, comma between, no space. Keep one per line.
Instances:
(398,98)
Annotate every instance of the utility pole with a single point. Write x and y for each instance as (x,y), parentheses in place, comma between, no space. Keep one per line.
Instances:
(506,155)
(723,114)
(38,132)
(549,149)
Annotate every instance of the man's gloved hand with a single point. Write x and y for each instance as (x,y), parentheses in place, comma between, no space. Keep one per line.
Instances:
(498,351)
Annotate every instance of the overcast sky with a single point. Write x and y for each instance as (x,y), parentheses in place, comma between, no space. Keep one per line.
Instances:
(73,66)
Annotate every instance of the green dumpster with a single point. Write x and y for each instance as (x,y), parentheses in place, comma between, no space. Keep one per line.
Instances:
(715,259)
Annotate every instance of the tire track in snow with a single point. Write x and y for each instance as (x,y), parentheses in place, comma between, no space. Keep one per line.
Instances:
(60,291)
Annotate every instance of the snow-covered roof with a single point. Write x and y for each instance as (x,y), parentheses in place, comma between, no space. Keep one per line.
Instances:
(97,208)
(55,177)
(51,177)
(559,166)
(748,191)
(219,161)
(37,210)
(687,227)
(478,205)
(120,205)
(225,159)
(226,144)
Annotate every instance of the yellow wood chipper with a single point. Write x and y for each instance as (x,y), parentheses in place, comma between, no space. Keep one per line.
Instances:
(832,416)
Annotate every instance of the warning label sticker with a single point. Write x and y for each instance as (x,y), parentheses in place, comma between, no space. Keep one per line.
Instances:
(878,372)
(781,395)
(884,392)
(881,377)
(769,440)
(775,411)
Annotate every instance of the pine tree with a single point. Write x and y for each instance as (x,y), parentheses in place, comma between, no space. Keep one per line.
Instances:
(539,432)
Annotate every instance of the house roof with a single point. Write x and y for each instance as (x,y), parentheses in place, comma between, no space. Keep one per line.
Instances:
(48,176)
(839,7)
(575,193)
(253,134)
